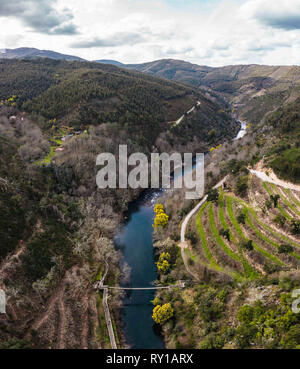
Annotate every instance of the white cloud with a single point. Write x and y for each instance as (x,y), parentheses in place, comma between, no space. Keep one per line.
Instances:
(283,15)
(40,15)
(132,31)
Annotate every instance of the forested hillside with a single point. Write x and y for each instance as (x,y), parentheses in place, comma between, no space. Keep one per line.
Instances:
(253,90)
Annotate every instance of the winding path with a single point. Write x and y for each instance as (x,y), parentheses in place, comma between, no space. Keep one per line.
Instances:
(273,179)
(183,244)
(108,320)
(178,121)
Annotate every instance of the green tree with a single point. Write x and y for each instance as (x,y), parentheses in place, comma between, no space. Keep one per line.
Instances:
(247,245)
(156,301)
(191,236)
(241,218)
(275,199)
(163,264)
(280,220)
(212,134)
(285,249)
(295,226)
(242,185)
(225,233)
(246,314)
(292,338)
(213,196)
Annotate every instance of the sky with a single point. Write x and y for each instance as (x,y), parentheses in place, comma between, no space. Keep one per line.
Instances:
(204,32)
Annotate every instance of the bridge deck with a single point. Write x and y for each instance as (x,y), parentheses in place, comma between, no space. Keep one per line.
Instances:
(145,288)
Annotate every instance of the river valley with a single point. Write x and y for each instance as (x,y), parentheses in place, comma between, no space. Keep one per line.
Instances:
(134,240)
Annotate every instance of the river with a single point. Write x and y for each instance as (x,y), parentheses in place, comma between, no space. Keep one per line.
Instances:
(135,241)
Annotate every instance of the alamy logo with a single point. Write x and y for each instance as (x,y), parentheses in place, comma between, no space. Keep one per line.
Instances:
(138,177)
(2,302)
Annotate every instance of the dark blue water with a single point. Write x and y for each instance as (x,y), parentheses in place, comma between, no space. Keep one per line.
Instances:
(135,242)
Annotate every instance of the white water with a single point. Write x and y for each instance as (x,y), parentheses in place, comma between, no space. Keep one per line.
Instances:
(242,131)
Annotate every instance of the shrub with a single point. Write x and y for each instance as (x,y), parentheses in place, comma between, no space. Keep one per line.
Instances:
(245,335)
(268,204)
(248,245)
(241,218)
(159,208)
(213,196)
(275,199)
(292,338)
(191,236)
(225,233)
(285,249)
(295,226)
(161,220)
(246,314)
(161,314)
(163,264)
(242,185)
(156,301)
(280,220)
(175,237)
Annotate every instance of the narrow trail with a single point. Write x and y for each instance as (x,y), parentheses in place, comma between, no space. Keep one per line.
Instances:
(272,178)
(62,323)
(85,325)
(178,121)
(98,286)
(108,320)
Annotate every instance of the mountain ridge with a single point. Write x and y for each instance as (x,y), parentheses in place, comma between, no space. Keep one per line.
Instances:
(28,52)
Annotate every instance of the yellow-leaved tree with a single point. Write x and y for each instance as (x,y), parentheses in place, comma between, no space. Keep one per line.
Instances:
(161,219)
(163,264)
(161,314)
(159,208)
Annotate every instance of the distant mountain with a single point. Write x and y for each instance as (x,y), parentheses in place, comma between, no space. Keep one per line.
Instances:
(108,61)
(253,90)
(31,53)
(177,70)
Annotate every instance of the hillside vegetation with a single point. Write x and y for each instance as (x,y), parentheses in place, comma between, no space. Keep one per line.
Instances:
(80,94)
(253,90)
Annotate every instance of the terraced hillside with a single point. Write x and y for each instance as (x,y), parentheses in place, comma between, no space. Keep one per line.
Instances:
(248,238)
